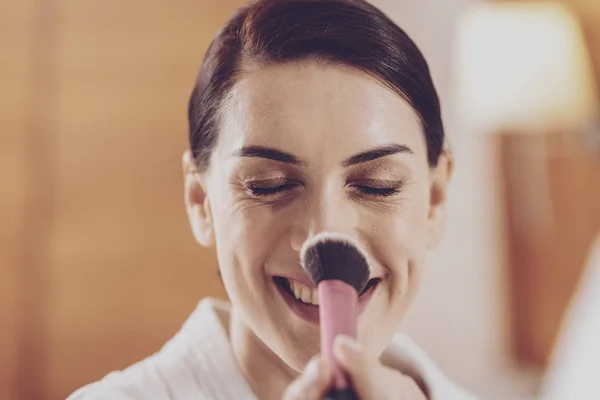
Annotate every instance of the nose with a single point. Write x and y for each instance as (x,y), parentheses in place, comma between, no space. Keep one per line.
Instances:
(331,212)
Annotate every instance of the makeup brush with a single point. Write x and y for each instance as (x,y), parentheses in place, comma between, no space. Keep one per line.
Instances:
(340,271)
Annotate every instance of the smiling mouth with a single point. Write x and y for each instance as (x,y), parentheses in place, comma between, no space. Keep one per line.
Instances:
(310,295)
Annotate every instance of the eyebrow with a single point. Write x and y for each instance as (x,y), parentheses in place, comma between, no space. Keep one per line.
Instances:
(287,158)
(376,153)
(268,153)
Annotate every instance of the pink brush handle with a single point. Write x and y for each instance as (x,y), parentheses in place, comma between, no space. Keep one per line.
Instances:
(337,315)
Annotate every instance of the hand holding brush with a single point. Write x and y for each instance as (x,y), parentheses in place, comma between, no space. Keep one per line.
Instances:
(343,370)
(370,379)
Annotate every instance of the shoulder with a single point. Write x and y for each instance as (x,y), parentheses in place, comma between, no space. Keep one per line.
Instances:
(92,392)
(196,363)
(405,355)
(167,375)
(140,381)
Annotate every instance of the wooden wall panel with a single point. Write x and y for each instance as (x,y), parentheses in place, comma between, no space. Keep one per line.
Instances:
(551,227)
(16,43)
(124,272)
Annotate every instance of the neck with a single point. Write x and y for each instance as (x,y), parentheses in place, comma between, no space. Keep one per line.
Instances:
(266,373)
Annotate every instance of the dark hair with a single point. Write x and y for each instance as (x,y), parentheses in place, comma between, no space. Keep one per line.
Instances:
(348,32)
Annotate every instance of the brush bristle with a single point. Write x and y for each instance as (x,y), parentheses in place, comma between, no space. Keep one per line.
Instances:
(334,256)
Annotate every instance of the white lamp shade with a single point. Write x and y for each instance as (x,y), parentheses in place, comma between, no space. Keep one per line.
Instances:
(524,67)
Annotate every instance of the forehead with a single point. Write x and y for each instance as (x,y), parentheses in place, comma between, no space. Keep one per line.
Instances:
(291,105)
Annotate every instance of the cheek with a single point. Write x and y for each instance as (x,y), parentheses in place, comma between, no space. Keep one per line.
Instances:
(398,242)
(410,230)
(399,235)
(248,233)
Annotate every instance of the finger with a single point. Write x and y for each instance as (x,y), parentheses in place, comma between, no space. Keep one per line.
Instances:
(392,378)
(313,383)
(360,368)
(370,379)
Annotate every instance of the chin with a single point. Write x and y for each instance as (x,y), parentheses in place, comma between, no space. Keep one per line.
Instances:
(300,341)
(300,349)
(292,339)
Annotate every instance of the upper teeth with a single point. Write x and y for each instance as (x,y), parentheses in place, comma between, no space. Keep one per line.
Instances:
(306,294)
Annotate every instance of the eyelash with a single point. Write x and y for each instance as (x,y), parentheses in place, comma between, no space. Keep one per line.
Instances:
(378,191)
(265,191)
(269,190)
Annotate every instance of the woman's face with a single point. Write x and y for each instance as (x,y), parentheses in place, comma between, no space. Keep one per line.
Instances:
(303,149)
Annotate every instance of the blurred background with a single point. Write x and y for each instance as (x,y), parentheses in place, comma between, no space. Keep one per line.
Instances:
(98,267)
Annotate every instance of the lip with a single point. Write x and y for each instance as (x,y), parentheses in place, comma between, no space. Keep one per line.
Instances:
(310,313)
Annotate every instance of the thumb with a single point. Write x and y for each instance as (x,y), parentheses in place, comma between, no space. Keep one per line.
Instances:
(351,356)
(313,383)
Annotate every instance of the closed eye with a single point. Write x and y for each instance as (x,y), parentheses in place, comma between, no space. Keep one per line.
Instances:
(270,187)
(376,188)
(383,192)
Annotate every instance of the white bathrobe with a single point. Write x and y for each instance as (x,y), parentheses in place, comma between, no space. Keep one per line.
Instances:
(198,364)
(575,368)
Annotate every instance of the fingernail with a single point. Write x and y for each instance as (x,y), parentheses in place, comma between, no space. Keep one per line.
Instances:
(311,372)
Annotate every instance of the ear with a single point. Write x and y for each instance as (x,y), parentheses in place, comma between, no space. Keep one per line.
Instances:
(197,202)
(438,193)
